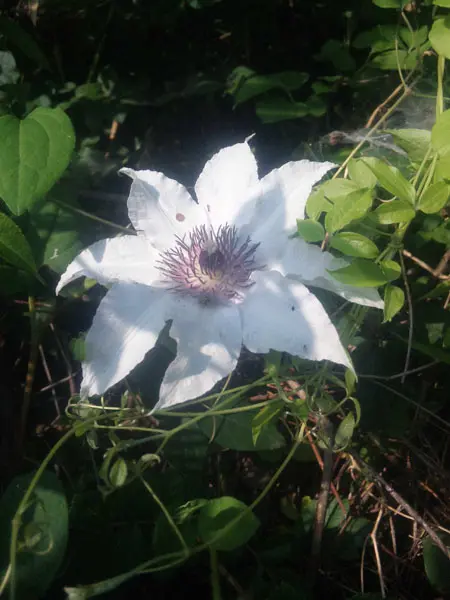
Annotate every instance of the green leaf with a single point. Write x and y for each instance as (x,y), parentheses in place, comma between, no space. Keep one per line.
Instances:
(322,198)
(362,273)
(444,3)
(440,36)
(278,108)
(389,3)
(337,53)
(394,299)
(415,142)
(392,60)
(391,179)
(55,233)
(234,431)
(14,248)
(345,431)
(349,208)
(396,211)
(265,416)
(350,381)
(354,244)
(434,198)
(34,153)
(310,231)
(43,533)
(245,84)
(360,172)
(437,565)
(214,521)
(440,133)
(118,473)
(391,269)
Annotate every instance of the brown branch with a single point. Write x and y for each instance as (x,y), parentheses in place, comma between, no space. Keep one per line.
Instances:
(322,500)
(437,272)
(401,502)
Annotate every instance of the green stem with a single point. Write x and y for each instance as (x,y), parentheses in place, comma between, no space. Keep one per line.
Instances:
(215,579)
(168,516)
(84,213)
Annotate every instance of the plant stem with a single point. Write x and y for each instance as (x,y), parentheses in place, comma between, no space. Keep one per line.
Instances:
(31,369)
(215,581)
(84,213)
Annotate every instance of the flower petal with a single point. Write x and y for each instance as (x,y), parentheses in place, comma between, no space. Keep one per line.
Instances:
(226,182)
(284,315)
(307,263)
(126,258)
(160,207)
(125,327)
(280,201)
(209,340)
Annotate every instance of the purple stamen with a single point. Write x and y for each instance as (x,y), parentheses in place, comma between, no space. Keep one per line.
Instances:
(210,265)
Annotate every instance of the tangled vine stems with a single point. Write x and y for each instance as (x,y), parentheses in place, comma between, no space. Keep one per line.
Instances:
(314,382)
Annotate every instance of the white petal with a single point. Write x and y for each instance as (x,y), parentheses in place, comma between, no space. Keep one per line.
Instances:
(126,258)
(284,315)
(226,182)
(281,200)
(307,263)
(209,342)
(161,208)
(125,327)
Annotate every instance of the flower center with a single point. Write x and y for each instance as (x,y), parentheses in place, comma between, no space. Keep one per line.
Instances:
(210,265)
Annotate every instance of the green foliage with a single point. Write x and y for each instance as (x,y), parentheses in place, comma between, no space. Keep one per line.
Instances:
(34,154)
(14,248)
(362,273)
(226,523)
(43,533)
(154,494)
(236,432)
(436,566)
(351,243)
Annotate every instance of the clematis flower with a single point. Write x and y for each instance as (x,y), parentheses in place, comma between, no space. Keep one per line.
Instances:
(223,270)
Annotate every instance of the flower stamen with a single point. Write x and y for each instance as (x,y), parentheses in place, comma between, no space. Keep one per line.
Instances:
(210,265)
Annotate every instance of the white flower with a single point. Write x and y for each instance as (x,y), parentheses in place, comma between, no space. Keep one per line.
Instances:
(223,270)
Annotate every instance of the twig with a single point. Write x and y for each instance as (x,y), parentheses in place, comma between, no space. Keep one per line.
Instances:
(411,318)
(320,463)
(403,373)
(49,379)
(437,272)
(373,537)
(67,362)
(380,107)
(401,502)
(322,500)
(31,370)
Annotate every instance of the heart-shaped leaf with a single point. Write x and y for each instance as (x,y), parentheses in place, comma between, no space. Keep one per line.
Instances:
(34,153)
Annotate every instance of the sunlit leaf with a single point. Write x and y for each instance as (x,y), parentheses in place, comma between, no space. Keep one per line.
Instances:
(347,209)
(354,244)
(391,179)
(434,198)
(34,153)
(394,299)
(310,231)
(396,211)
(440,36)
(361,272)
